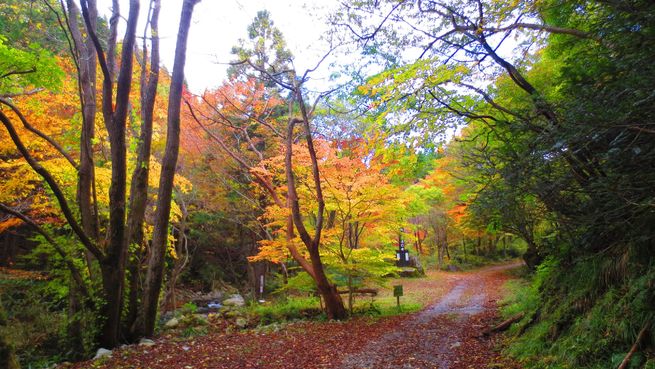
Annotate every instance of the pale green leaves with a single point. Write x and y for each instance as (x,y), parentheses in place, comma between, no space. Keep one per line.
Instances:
(27,69)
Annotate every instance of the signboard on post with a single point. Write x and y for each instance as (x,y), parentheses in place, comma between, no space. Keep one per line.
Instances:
(397,292)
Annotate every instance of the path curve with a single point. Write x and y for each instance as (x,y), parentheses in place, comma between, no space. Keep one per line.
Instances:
(433,338)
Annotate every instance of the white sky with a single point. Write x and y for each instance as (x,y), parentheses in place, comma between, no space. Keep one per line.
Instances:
(217,26)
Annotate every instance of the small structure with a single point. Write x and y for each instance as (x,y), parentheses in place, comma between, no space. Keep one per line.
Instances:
(402,254)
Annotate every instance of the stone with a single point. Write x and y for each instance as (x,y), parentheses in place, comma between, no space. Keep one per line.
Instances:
(409,272)
(172,323)
(235,300)
(242,322)
(146,342)
(415,262)
(455,345)
(102,352)
(214,295)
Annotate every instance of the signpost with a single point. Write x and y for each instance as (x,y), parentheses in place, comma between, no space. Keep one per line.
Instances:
(397,292)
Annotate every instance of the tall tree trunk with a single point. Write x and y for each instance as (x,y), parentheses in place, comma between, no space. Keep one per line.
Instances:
(115,116)
(86,63)
(154,275)
(139,185)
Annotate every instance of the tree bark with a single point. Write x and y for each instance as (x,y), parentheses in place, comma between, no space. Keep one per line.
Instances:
(85,55)
(7,354)
(154,275)
(139,184)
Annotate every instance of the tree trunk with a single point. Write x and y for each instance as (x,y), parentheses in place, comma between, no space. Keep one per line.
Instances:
(350,294)
(334,306)
(74,325)
(154,275)
(7,354)
(181,261)
(86,62)
(139,185)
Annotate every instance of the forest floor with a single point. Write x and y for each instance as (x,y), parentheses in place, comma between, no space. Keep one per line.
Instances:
(445,335)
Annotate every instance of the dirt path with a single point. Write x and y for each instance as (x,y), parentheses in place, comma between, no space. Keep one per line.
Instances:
(445,335)
(434,338)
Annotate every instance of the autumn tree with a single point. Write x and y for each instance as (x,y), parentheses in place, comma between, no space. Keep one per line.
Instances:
(109,252)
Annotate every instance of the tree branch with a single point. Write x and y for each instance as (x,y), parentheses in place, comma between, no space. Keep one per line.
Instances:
(75,273)
(37,132)
(45,174)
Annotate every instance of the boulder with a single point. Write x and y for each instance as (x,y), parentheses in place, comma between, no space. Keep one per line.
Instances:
(172,323)
(409,272)
(214,295)
(415,262)
(234,300)
(102,352)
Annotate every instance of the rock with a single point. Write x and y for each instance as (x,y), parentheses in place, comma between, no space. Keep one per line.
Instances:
(102,353)
(146,342)
(235,300)
(172,323)
(186,348)
(214,295)
(409,272)
(242,322)
(415,262)
(455,345)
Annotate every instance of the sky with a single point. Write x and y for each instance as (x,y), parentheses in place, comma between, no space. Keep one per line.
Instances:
(218,25)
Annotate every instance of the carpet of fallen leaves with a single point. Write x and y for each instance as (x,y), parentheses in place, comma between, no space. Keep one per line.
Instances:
(445,335)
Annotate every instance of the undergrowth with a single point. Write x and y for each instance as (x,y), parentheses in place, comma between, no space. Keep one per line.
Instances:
(582,315)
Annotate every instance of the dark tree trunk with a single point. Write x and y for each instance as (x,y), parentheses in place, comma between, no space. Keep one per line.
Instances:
(139,185)
(113,264)
(74,326)
(7,354)
(154,275)
(86,62)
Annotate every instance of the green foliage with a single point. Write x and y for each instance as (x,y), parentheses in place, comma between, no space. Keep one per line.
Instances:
(31,68)
(289,309)
(582,321)
(36,321)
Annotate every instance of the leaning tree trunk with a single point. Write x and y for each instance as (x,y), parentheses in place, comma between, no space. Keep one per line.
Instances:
(154,275)
(333,303)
